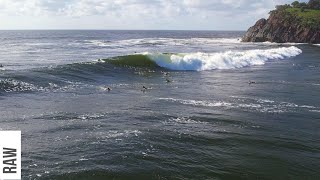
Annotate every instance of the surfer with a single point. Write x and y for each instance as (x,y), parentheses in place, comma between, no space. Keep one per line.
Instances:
(1,65)
(251,82)
(165,73)
(109,89)
(144,89)
(168,80)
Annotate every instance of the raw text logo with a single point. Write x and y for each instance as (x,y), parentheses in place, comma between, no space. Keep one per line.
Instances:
(10,155)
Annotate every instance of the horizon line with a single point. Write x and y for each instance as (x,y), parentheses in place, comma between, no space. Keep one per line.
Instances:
(114,30)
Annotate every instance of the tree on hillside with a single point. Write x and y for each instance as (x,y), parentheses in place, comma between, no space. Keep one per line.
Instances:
(303,5)
(314,4)
(295,4)
(283,7)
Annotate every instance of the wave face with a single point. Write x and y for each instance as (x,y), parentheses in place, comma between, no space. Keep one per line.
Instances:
(207,61)
(137,60)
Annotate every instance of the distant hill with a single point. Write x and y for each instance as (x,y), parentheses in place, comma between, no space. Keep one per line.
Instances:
(298,22)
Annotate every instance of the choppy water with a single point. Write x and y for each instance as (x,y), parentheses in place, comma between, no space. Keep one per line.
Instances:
(199,118)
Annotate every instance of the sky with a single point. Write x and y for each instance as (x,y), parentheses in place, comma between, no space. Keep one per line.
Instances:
(134,14)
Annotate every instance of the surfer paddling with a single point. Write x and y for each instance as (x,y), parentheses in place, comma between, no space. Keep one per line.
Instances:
(106,88)
(166,76)
(165,73)
(252,82)
(144,88)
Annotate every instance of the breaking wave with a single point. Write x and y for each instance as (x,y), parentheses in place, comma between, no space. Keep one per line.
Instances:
(67,77)
(206,61)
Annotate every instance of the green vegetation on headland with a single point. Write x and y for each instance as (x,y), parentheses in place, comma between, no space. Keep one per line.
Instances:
(298,22)
(308,17)
(307,14)
(312,4)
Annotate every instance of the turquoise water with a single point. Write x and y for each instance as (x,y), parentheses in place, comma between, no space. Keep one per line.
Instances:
(198,118)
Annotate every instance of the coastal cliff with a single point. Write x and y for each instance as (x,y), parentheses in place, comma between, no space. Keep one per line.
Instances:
(287,24)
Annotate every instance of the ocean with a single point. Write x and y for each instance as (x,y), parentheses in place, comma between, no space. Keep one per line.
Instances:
(160,105)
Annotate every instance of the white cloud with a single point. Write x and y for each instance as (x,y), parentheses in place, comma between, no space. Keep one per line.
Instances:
(135,14)
(19,7)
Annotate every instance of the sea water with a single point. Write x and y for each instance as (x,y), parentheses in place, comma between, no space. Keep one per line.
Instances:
(180,105)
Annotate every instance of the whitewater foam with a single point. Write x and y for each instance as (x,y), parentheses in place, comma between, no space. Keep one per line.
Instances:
(183,120)
(117,134)
(10,85)
(274,43)
(199,103)
(225,60)
(163,42)
(181,42)
(259,105)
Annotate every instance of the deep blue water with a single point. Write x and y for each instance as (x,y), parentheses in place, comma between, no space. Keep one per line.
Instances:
(199,118)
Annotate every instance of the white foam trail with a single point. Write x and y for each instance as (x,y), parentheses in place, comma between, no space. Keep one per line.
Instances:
(114,135)
(126,133)
(259,105)
(317,44)
(216,40)
(183,120)
(274,43)
(199,103)
(225,60)
(99,43)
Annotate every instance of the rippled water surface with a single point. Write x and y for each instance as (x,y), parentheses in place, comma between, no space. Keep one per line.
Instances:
(180,105)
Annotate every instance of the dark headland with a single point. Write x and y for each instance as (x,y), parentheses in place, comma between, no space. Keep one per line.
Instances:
(298,23)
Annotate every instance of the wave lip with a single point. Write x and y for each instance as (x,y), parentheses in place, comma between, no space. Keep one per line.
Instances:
(225,60)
